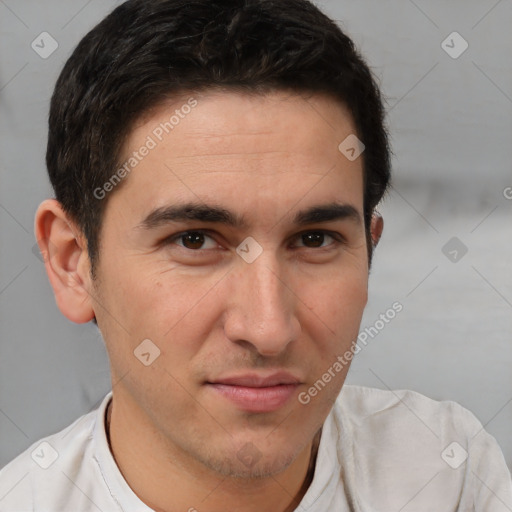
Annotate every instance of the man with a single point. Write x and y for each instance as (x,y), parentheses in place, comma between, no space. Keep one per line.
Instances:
(216,166)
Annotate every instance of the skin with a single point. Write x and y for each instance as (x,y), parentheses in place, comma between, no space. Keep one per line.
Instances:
(210,313)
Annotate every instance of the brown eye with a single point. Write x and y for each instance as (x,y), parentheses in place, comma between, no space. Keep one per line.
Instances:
(193,240)
(319,240)
(314,239)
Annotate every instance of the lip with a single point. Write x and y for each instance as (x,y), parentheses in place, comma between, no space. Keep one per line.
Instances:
(256,393)
(254,380)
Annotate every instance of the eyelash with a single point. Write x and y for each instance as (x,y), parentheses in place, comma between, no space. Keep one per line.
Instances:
(337,237)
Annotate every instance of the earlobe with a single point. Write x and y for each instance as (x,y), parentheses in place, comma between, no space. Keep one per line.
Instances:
(376,228)
(66,260)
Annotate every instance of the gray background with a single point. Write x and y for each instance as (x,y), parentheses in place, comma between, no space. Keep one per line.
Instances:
(451,126)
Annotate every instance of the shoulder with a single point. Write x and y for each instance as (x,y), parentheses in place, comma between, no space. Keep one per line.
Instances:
(63,445)
(361,403)
(394,441)
(48,466)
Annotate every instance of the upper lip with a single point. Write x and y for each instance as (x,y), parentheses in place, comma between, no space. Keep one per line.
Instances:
(253,380)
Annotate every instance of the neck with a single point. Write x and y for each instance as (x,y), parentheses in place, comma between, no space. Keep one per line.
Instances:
(165,487)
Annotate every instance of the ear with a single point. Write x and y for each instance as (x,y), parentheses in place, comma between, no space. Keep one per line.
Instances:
(376,228)
(66,260)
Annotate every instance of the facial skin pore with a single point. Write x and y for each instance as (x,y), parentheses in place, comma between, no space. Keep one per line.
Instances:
(177,438)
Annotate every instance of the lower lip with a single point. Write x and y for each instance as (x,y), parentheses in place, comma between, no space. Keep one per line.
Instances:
(256,399)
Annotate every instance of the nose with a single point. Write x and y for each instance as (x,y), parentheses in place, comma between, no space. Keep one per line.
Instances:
(262,308)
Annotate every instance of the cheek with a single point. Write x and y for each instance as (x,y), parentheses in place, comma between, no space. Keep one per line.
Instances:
(337,308)
(340,300)
(175,311)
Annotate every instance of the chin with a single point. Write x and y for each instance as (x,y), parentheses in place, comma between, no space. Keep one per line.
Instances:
(251,463)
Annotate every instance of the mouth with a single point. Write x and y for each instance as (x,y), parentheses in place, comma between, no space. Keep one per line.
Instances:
(256,393)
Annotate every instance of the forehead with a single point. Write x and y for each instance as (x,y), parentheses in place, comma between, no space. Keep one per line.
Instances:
(202,123)
(228,146)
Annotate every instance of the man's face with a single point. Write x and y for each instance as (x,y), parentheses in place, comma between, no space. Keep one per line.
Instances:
(221,320)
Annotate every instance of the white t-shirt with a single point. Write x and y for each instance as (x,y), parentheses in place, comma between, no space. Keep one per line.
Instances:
(379,451)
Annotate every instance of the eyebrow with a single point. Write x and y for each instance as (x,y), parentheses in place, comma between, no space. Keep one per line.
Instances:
(215,214)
